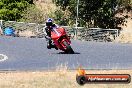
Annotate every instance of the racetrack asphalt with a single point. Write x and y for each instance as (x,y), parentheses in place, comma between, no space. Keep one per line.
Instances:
(31,54)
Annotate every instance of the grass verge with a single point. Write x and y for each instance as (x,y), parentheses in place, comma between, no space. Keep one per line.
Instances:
(55,79)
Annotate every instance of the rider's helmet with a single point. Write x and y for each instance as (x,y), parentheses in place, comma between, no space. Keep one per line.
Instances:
(49,22)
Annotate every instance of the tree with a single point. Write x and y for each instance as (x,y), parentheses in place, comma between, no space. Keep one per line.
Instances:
(101,12)
(33,14)
(12,9)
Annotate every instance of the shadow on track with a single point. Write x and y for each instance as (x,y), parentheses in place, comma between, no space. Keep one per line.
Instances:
(67,53)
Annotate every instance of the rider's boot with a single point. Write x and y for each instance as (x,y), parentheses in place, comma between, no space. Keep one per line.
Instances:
(50,45)
(54,46)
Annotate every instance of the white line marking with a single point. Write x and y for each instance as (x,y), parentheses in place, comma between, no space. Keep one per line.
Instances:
(3,57)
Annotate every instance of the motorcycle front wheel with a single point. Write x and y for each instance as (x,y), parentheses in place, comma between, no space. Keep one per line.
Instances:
(68,50)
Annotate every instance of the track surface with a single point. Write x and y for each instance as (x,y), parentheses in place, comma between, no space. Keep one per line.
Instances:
(32,54)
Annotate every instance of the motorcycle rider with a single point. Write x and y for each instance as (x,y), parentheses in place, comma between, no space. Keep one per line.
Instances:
(50,26)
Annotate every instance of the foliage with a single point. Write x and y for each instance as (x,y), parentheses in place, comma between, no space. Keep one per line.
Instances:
(33,14)
(12,9)
(97,13)
(61,17)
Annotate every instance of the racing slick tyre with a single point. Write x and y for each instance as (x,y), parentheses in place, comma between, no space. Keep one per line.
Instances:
(68,50)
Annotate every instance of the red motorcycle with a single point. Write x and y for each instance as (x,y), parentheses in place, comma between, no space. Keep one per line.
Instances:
(61,40)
